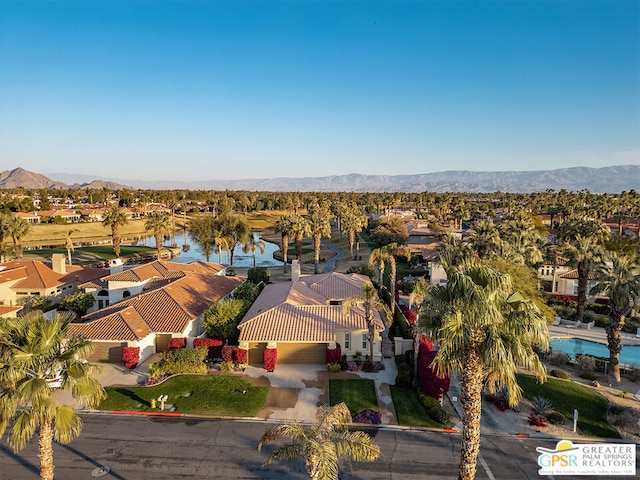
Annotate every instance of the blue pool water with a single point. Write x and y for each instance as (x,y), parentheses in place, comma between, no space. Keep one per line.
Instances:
(577,346)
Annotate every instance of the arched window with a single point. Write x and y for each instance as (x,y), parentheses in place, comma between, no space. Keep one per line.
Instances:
(126,294)
(103,302)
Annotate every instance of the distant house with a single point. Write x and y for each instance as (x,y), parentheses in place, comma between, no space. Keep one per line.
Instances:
(302,318)
(30,217)
(24,279)
(561,280)
(169,304)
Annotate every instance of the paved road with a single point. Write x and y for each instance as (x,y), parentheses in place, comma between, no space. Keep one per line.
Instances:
(151,448)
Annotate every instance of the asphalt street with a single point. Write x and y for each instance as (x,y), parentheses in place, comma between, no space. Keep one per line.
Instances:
(152,448)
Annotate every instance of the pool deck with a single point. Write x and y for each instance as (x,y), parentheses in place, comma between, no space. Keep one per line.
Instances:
(595,334)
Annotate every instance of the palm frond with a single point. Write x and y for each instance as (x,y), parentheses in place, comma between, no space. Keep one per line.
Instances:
(23,428)
(67,424)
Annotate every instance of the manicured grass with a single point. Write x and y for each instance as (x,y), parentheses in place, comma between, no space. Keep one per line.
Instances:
(409,410)
(210,394)
(357,394)
(97,252)
(565,396)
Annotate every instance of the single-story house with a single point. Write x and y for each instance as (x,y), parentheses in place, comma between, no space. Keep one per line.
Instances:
(303,317)
(172,306)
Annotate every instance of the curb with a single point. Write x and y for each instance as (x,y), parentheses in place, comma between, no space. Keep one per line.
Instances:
(151,414)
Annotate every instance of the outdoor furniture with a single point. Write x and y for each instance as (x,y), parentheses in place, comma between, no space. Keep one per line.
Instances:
(575,325)
(557,321)
(587,325)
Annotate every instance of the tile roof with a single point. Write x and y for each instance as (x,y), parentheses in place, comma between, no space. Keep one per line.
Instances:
(6,310)
(573,275)
(124,325)
(300,311)
(166,309)
(164,269)
(40,275)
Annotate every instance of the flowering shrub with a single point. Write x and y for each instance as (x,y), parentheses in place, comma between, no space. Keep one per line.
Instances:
(241,356)
(500,403)
(152,381)
(378,366)
(409,314)
(333,367)
(352,367)
(537,421)
(333,355)
(213,344)
(228,353)
(130,356)
(368,416)
(176,343)
(269,357)
(430,383)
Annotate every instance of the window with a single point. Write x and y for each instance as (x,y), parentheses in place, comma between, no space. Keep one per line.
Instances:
(347,341)
(364,341)
(556,289)
(126,294)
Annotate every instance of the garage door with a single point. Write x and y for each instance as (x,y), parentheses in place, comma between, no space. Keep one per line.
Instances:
(307,353)
(256,352)
(110,352)
(162,342)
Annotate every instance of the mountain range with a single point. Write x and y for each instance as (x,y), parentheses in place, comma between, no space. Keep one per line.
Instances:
(613,179)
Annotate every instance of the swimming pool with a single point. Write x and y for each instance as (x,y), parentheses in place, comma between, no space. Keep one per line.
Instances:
(577,346)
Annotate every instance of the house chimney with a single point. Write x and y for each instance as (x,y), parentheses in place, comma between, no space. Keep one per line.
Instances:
(58,263)
(295,270)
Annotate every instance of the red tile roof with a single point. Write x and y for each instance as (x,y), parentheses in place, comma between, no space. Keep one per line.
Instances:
(40,275)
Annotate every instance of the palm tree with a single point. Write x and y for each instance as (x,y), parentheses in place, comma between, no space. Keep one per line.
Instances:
(69,243)
(353,221)
(252,244)
(620,280)
(17,228)
(159,223)
(235,229)
(222,244)
(484,238)
(283,227)
(387,254)
(370,302)
(485,331)
(114,218)
(320,227)
(584,254)
(521,240)
(300,229)
(33,350)
(323,443)
(3,234)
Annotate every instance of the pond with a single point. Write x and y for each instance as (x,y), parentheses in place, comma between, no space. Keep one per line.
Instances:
(193,253)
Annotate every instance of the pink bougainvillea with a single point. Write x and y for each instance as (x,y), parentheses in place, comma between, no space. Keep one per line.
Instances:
(241,356)
(176,343)
(333,355)
(430,383)
(228,353)
(214,345)
(270,356)
(130,356)
(409,314)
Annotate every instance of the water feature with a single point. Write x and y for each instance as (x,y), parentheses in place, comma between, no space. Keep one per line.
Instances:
(577,346)
(193,253)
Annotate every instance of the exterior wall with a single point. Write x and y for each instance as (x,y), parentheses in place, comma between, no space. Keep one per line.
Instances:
(194,329)
(117,289)
(355,344)
(437,274)
(147,346)
(7,294)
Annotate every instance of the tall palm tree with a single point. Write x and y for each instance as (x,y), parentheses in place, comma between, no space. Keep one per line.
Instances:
(320,227)
(353,221)
(370,303)
(584,254)
(4,218)
(252,244)
(484,238)
(485,331)
(235,229)
(387,254)
(283,227)
(114,218)
(221,242)
(16,228)
(322,443)
(159,223)
(618,278)
(521,240)
(69,243)
(34,349)
(300,229)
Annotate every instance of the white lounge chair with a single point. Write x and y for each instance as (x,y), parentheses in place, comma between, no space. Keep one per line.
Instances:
(587,325)
(557,321)
(577,324)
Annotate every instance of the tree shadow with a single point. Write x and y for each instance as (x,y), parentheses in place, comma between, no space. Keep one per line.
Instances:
(92,461)
(20,459)
(132,396)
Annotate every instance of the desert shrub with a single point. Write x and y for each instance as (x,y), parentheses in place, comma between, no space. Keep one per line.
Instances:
(586,362)
(537,421)
(621,416)
(559,358)
(165,369)
(541,405)
(588,376)
(556,418)
(565,311)
(226,367)
(434,409)
(560,374)
(333,367)
(177,342)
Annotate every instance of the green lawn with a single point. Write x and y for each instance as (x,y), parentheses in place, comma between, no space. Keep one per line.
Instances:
(357,394)
(565,396)
(206,394)
(409,410)
(97,252)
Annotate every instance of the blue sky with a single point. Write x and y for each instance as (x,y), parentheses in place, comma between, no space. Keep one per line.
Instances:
(260,89)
